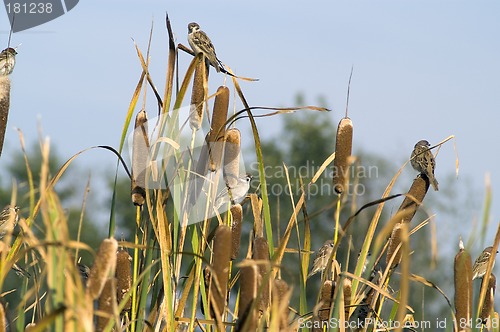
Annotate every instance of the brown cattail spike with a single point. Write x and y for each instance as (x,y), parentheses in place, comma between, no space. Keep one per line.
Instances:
(237,219)
(463,287)
(343,150)
(123,277)
(232,157)
(104,266)
(105,304)
(4,107)
(415,197)
(198,95)
(282,298)
(140,157)
(394,245)
(247,317)
(326,298)
(220,275)
(489,301)
(347,296)
(218,127)
(261,252)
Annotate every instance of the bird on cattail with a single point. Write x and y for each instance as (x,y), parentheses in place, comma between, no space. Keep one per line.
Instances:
(200,43)
(481,263)
(321,260)
(234,194)
(423,161)
(8,220)
(7,61)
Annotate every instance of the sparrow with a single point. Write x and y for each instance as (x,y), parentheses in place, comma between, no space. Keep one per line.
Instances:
(8,220)
(321,260)
(7,61)
(234,194)
(200,43)
(423,161)
(479,267)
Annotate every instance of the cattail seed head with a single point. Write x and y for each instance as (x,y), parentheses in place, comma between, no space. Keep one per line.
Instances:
(104,266)
(220,275)
(347,296)
(123,276)
(394,243)
(261,252)
(197,96)
(343,150)
(463,286)
(218,127)
(489,301)
(326,298)
(4,107)
(140,157)
(105,304)
(237,221)
(232,157)
(417,190)
(281,296)
(247,318)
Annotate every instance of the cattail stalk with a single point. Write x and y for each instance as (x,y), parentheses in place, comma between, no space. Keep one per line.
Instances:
(237,221)
(197,95)
(104,266)
(218,128)
(140,156)
(463,287)
(4,107)
(343,150)
(232,157)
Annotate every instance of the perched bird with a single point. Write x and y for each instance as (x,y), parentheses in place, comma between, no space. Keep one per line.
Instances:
(321,260)
(7,61)
(234,194)
(8,220)
(479,267)
(423,161)
(200,43)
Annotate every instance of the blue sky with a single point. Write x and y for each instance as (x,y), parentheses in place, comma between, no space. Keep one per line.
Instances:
(422,70)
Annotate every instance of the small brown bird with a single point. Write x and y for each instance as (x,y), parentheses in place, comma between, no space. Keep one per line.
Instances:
(479,268)
(8,220)
(200,43)
(423,161)
(7,61)
(321,260)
